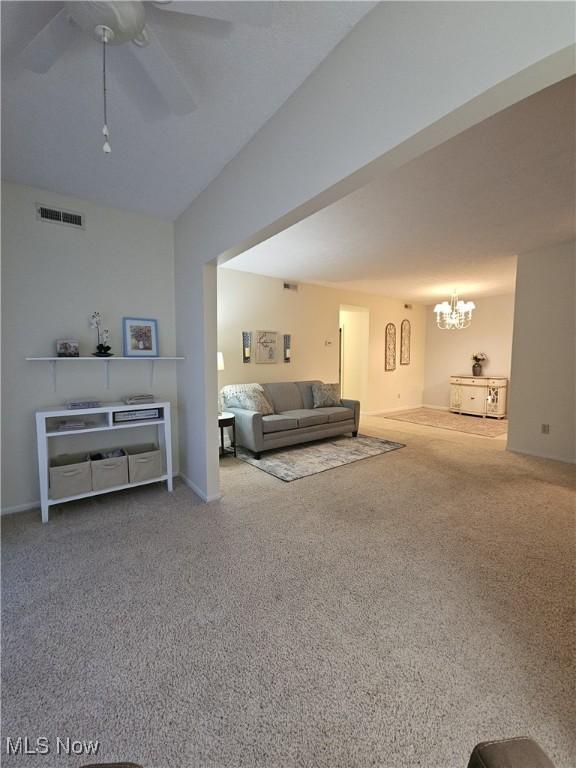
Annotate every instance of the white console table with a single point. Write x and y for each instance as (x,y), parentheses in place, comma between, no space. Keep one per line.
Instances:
(46,429)
(479,395)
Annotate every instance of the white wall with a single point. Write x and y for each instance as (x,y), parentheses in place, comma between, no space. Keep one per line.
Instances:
(355,355)
(543,384)
(408,77)
(248,302)
(122,264)
(448,352)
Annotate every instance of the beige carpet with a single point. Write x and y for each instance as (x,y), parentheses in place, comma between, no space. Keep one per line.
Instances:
(391,612)
(472,425)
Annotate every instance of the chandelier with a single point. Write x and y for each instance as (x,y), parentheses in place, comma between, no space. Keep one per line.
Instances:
(455,314)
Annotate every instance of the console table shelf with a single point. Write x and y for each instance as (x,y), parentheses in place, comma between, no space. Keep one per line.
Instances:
(44,433)
(53,361)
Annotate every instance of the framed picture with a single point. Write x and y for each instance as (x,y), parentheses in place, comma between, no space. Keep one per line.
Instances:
(140,336)
(67,348)
(266,347)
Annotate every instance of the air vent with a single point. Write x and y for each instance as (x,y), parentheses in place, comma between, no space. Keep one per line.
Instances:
(290,286)
(68,218)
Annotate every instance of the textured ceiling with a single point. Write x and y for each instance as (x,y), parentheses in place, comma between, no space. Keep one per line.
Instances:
(241,74)
(452,219)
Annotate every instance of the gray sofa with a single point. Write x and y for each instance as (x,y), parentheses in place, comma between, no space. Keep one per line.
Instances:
(294,420)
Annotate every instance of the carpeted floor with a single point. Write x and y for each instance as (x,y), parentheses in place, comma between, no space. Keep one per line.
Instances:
(300,461)
(430,417)
(391,612)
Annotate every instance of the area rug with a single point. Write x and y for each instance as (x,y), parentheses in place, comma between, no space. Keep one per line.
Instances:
(473,425)
(304,460)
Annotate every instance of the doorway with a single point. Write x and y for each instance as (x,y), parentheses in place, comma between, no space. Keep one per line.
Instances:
(354,351)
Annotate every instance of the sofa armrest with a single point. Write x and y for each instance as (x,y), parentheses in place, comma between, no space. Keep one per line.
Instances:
(248,428)
(355,405)
(509,753)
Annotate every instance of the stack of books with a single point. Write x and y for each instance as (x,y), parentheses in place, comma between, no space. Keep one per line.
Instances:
(138,399)
(70,425)
(89,402)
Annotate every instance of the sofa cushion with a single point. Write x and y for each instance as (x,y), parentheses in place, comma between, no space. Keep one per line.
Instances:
(337,413)
(307,417)
(284,396)
(278,423)
(305,388)
(326,395)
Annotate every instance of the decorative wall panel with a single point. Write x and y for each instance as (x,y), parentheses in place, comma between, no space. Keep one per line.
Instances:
(405,331)
(390,351)
(287,347)
(246,346)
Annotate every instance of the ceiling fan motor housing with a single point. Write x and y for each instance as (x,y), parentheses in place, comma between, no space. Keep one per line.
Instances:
(126,19)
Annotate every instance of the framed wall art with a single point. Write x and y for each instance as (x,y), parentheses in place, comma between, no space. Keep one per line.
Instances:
(140,337)
(405,331)
(390,350)
(266,346)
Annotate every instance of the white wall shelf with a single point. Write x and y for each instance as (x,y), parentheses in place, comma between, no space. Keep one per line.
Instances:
(53,362)
(106,412)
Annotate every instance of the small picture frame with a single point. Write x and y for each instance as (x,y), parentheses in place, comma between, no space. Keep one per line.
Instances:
(140,336)
(67,348)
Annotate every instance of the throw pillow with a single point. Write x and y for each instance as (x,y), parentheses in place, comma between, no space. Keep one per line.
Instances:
(229,394)
(250,397)
(254,401)
(325,395)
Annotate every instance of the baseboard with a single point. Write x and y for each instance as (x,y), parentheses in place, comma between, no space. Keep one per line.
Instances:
(548,457)
(390,410)
(198,491)
(436,407)
(36,504)
(20,508)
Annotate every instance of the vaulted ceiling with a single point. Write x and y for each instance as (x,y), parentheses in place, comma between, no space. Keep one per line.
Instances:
(454,218)
(240,71)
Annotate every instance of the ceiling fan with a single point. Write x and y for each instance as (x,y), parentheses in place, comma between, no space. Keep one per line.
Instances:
(123,23)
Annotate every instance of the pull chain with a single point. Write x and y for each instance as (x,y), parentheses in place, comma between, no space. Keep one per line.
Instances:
(106,146)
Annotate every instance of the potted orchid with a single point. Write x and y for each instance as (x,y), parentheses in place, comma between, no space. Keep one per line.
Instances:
(478,358)
(103,336)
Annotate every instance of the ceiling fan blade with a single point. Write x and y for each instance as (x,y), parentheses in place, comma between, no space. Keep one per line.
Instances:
(135,82)
(43,50)
(255,14)
(175,91)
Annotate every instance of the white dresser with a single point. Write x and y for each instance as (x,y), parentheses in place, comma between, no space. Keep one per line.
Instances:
(479,395)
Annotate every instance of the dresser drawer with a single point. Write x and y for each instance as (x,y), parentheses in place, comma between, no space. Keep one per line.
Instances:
(497,382)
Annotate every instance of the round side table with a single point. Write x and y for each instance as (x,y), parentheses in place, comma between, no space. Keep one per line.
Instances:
(226,419)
